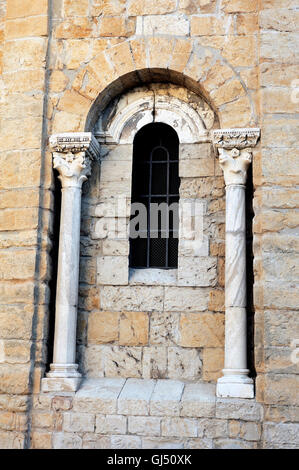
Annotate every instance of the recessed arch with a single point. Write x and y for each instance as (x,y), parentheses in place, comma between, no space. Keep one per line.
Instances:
(132,63)
(183,110)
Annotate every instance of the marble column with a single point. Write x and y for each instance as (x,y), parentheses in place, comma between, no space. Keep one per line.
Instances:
(72,157)
(235,157)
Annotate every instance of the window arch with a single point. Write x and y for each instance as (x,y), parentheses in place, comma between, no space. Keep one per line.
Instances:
(155,185)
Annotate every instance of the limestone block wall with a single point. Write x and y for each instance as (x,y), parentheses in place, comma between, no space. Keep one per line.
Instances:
(62,62)
(25,212)
(276,222)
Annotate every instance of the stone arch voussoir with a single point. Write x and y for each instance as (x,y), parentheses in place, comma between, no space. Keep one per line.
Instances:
(139,61)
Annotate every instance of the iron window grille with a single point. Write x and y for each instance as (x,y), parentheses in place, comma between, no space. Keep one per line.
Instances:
(155,180)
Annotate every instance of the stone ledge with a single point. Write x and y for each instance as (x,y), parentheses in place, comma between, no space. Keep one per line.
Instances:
(162,397)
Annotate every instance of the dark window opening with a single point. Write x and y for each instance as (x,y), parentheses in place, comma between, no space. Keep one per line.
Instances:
(155,184)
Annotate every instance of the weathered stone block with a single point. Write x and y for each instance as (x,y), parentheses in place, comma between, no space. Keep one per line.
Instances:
(212,428)
(24,27)
(112,270)
(123,361)
(178,427)
(132,298)
(41,440)
(284,52)
(133,329)
(93,360)
(209,26)
(279,19)
(103,327)
(125,442)
(28,8)
(165,400)
(184,364)
(145,426)
(198,400)
(16,383)
(96,441)
(146,7)
(42,420)
(78,422)
(213,363)
(154,362)
(197,271)
(284,433)
(185,299)
(233,444)
(198,443)
(72,8)
(117,26)
(99,395)
(250,431)
(111,424)
(281,389)
(202,330)
(196,168)
(246,410)
(116,171)
(162,443)
(115,247)
(176,24)
(164,328)
(280,327)
(66,440)
(135,397)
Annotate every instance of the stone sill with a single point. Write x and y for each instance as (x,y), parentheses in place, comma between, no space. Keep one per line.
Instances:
(163,397)
(153,277)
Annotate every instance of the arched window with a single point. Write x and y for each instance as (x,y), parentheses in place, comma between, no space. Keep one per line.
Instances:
(155,185)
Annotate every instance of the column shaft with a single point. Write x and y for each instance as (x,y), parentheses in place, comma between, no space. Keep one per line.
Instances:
(67,277)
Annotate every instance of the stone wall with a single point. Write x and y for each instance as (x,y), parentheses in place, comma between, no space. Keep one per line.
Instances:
(275,223)
(62,62)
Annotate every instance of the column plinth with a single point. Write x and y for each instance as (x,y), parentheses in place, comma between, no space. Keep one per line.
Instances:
(234,158)
(72,157)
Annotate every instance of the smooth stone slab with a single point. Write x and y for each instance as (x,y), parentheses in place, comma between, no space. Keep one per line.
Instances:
(166,398)
(235,390)
(199,400)
(61,384)
(99,395)
(135,397)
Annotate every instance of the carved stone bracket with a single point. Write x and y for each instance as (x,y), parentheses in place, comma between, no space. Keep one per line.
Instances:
(75,142)
(236,138)
(73,154)
(235,155)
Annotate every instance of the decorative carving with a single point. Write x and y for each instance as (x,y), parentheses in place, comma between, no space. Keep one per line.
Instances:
(235,138)
(73,168)
(75,142)
(234,164)
(72,156)
(190,121)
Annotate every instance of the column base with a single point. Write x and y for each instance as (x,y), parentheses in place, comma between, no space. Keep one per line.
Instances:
(62,378)
(235,384)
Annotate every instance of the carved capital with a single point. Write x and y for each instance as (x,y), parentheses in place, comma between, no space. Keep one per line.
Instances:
(234,164)
(235,138)
(73,154)
(234,152)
